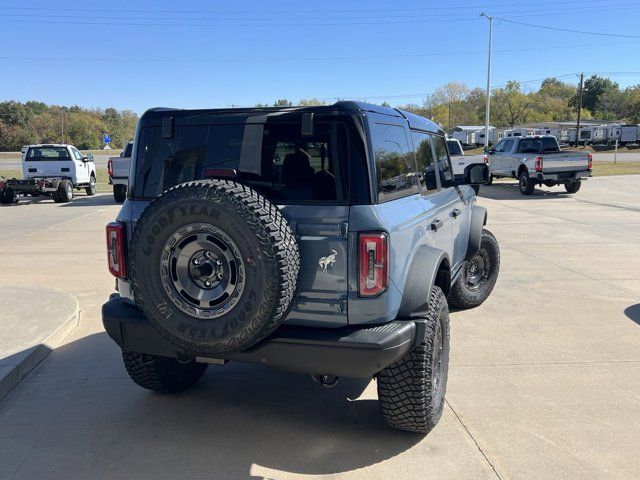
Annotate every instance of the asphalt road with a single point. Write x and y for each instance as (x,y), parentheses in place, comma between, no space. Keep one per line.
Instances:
(544,379)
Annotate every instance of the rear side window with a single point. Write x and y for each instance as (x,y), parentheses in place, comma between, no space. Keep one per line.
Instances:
(47,153)
(275,159)
(127,150)
(444,165)
(394,164)
(454,147)
(423,143)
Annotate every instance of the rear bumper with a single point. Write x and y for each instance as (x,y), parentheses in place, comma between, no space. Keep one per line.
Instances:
(561,177)
(345,352)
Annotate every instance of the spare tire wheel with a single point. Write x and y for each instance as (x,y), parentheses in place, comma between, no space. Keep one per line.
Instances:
(214,266)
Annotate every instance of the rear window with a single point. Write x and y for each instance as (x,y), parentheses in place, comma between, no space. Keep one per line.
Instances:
(394,162)
(47,153)
(275,159)
(127,150)
(538,145)
(454,148)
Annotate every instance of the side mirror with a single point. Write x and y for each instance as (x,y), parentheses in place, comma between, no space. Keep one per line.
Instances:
(85,159)
(476,174)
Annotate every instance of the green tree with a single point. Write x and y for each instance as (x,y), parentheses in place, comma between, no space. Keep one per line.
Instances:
(594,88)
(509,105)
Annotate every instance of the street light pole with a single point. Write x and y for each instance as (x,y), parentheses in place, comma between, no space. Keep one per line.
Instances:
(580,89)
(488,108)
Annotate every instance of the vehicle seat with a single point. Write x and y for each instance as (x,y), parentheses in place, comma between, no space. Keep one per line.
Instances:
(297,176)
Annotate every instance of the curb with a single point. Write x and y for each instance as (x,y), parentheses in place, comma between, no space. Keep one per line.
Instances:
(27,360)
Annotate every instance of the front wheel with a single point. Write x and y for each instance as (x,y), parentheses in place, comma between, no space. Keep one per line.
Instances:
(411,390)
(162,374)
(573,187)
(525,184)
(479,275)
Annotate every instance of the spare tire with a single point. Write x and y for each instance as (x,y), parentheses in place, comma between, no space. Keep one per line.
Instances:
(213,266)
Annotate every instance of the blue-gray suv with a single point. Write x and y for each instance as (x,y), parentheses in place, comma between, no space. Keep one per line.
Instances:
(326,240)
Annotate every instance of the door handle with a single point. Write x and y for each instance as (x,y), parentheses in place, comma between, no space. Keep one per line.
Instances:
(455,213)
(436,224)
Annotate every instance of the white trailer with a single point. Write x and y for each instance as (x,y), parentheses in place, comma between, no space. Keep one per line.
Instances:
(521,132)
(567,136)
(629,134)
(613,133)
(600,134)
(479,137)
(461,136)
(586,134)
(549,131)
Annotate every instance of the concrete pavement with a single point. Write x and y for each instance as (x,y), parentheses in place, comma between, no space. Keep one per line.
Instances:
(544,378)
(34,320)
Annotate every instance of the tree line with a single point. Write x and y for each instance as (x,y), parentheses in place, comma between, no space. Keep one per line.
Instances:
(456,104)
(36,122)
(451,104)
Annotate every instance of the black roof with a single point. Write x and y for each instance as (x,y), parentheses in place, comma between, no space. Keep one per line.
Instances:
(344,106)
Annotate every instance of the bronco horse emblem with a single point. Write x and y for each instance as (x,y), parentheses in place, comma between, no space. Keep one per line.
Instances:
(326,262)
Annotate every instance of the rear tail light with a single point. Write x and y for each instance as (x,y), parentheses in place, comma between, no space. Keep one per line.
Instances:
(538,164)
(374,263)
(115,249)
(486,159)
(590,164)
(110,168)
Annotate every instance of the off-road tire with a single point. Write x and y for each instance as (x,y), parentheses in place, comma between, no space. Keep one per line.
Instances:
(525,184)
(64,194)
(259,236)
(573,187)
(91,189)
(119,193)
(162,374)
(411,391)
(463,295)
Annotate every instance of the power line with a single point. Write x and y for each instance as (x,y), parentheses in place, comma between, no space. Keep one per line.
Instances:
(602,34)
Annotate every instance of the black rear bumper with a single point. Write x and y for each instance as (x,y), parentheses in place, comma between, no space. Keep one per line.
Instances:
(357,352)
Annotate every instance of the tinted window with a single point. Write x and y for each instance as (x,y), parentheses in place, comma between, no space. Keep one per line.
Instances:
(394,165)
(274,159)
(500,146)
(423,143)
(47,153)
(444,165)
(454,147)
(538,145)
(127,150)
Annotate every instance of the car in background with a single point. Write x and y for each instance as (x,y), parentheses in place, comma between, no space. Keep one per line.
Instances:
(51,170)
(538,160)
(118,169)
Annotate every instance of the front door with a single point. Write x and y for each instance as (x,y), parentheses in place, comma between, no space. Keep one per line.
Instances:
(82,167)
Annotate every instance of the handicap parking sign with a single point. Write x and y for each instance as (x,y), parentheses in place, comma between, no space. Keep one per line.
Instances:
(106,138)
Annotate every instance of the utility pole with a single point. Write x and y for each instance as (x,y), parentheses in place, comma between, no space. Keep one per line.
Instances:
(488,108)
(62,125)
(449,113)
(579,109)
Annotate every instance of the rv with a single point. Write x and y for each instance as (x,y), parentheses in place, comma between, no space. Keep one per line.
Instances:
(599,135)
(521,132)
(549,131)
(613,133)
(479,137)
(629,134)
(586,134)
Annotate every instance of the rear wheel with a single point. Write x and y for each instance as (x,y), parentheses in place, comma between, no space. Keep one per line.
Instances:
(64,194)
(479,275)
(490,181)
(525,184)
(411,390)
(91,189)
(162,374)
(7,196)
(119,193)
(573,187)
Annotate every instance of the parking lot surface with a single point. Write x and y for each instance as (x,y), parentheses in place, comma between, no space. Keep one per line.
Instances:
(544,378)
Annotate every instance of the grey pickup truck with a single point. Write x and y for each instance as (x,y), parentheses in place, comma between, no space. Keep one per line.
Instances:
(538,160)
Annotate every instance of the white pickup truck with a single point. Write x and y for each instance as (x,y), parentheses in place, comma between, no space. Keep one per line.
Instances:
(118,169)
(538,160)
(51,170)
(461,162)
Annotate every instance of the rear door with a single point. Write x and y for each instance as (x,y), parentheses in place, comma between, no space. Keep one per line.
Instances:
(437,202)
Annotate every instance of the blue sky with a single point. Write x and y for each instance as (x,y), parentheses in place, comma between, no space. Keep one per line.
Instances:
(138,54)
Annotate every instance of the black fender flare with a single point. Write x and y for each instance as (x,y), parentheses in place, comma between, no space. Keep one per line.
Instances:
(421,278)
(476,225)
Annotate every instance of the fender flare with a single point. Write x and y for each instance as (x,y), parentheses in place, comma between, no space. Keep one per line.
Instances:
(422,276)
(476,225)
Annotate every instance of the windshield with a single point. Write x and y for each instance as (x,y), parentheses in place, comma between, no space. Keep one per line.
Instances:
(538,145)
(454,147)
(275,159)
(47,153)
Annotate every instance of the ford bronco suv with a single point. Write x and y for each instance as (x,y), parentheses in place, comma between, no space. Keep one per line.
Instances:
(322,240)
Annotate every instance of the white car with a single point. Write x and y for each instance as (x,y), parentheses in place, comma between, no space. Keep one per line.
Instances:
(460,162)
(52,170)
